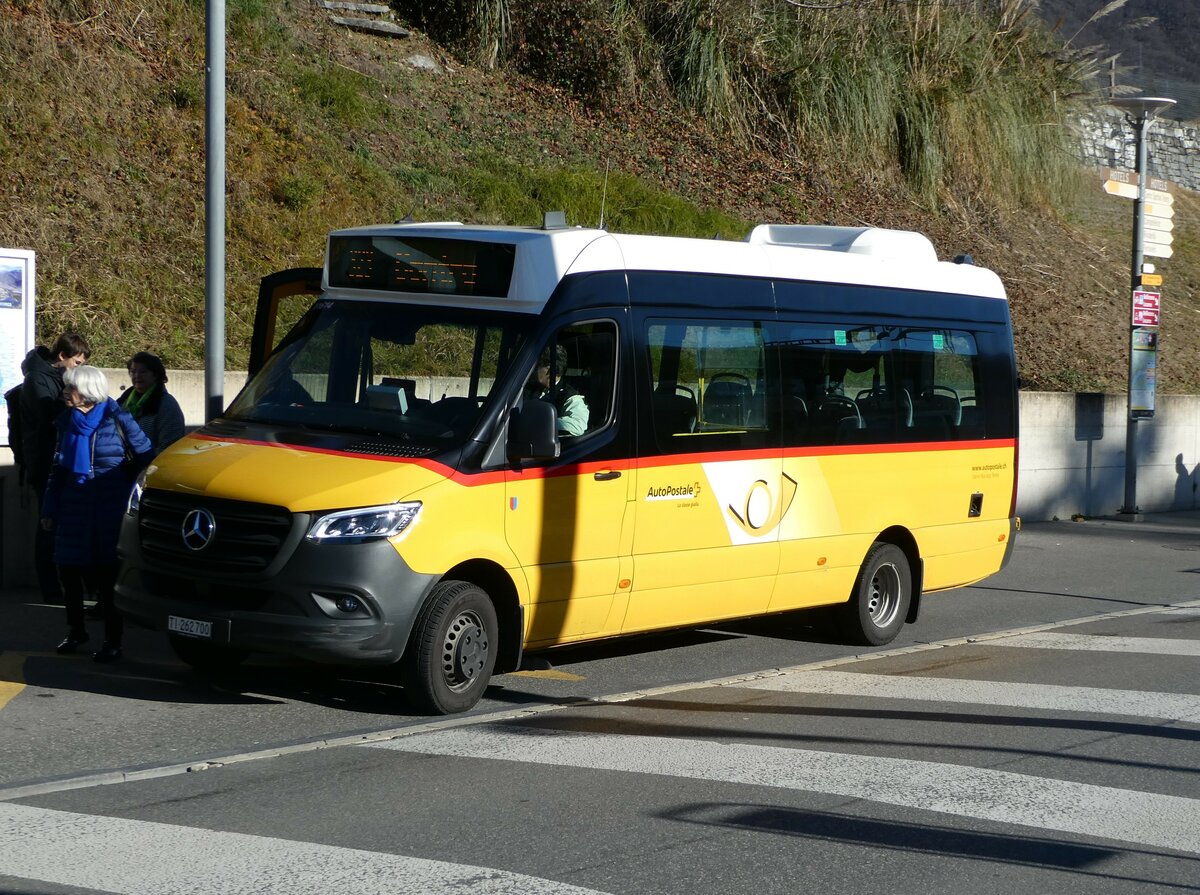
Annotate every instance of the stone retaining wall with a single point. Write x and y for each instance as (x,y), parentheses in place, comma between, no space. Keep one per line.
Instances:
(1107,140)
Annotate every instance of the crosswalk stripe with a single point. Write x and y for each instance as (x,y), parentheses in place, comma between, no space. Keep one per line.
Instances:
(1159,646)
(1051,697)
(1160,821)
(132,857)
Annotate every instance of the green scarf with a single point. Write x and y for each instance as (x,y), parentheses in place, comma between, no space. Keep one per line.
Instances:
(133,404)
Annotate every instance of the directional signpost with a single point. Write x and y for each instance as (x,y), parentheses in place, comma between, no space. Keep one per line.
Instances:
(1159,209)
(1152,199)
(1119,187)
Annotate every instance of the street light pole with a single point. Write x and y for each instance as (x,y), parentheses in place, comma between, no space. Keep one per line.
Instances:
(1140,112)
(214,210)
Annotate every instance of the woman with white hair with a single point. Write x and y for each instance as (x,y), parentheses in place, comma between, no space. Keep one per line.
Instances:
(85,499)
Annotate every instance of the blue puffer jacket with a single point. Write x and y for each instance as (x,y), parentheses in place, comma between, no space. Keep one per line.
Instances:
(87,514)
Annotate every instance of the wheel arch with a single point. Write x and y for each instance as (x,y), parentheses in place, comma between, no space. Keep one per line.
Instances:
(496,582)
(903,538)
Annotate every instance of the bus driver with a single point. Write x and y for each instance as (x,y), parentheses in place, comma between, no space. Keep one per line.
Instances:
(571,406)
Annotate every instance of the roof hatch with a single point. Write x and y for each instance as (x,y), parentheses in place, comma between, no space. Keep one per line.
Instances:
(874,241)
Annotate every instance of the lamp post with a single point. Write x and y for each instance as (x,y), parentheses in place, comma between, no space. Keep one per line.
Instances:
(1140,111)
(214,210)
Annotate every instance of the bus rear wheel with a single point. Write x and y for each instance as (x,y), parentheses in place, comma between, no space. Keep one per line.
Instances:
(879,602)
(452,649)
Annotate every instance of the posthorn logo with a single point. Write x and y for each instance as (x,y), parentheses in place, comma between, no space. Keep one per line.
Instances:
(198,529)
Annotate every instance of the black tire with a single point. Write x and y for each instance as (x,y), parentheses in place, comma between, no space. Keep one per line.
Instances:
(212,658)
(880,599)
(452,649)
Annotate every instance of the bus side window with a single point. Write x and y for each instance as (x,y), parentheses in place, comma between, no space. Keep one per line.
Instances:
(944,364)
(708,389)
(583,379)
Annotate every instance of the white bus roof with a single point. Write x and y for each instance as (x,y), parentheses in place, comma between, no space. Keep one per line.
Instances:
(868,256)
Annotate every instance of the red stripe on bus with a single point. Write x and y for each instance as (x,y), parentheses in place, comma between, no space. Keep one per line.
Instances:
(472,479)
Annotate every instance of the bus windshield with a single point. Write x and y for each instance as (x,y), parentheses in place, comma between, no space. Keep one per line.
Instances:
(421,374)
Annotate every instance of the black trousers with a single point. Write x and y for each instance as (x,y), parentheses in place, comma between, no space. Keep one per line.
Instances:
(43,556)
(75,582)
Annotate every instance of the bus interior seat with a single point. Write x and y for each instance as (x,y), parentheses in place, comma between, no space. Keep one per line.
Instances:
(939,410)
(971,425)
(799,408)
(674,410)
(946,400)
(880,409)
(833,410)
(727,402)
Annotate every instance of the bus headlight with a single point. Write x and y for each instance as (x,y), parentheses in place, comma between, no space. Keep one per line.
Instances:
(135,494)
(365,522)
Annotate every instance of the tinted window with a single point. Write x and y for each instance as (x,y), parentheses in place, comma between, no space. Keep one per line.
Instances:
(577,372)
(708,385)
(423,375)
(879,384)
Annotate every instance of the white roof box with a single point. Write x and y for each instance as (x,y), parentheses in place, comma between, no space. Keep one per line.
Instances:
(874,241)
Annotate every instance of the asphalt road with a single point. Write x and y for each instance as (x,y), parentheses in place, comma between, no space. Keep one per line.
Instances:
(1040,729)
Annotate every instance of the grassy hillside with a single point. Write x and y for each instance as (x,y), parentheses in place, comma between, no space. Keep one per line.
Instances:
(101,143)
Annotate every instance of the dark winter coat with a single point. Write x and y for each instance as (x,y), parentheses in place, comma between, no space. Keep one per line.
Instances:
(41,402)
(160,417)
(87,515)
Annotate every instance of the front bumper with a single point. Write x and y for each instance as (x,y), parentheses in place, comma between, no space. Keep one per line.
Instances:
(289,609)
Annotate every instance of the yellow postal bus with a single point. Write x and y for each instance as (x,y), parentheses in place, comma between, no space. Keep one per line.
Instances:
(477,441)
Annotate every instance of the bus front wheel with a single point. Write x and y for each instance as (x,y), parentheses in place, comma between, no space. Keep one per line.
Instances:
(879,602)
(452,649)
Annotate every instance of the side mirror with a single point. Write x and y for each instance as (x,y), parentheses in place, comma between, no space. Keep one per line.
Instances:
(533,431)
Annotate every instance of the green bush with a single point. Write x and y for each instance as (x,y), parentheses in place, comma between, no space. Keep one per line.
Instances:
(296,193)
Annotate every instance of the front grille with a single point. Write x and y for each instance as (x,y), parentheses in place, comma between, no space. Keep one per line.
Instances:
(213,596)
(246,538)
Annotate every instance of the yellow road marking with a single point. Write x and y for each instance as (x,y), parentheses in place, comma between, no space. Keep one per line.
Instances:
(12,676)
(550,674)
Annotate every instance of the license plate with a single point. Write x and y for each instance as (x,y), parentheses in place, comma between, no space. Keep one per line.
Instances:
(189,626)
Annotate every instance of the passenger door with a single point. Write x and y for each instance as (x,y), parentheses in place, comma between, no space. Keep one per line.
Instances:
(283,298)
(710,490)
(566,518)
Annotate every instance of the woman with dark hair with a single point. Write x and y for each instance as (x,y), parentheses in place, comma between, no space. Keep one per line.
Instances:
(86,497)
(148,402)
(40,403)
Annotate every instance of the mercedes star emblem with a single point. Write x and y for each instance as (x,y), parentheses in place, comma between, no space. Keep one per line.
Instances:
(198,529)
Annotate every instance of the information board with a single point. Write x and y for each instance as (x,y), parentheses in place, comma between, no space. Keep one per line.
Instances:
(1143,373)
(16,321)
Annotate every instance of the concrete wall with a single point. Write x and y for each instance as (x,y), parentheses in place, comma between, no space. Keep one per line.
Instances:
(1072,460)
(1072,455)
